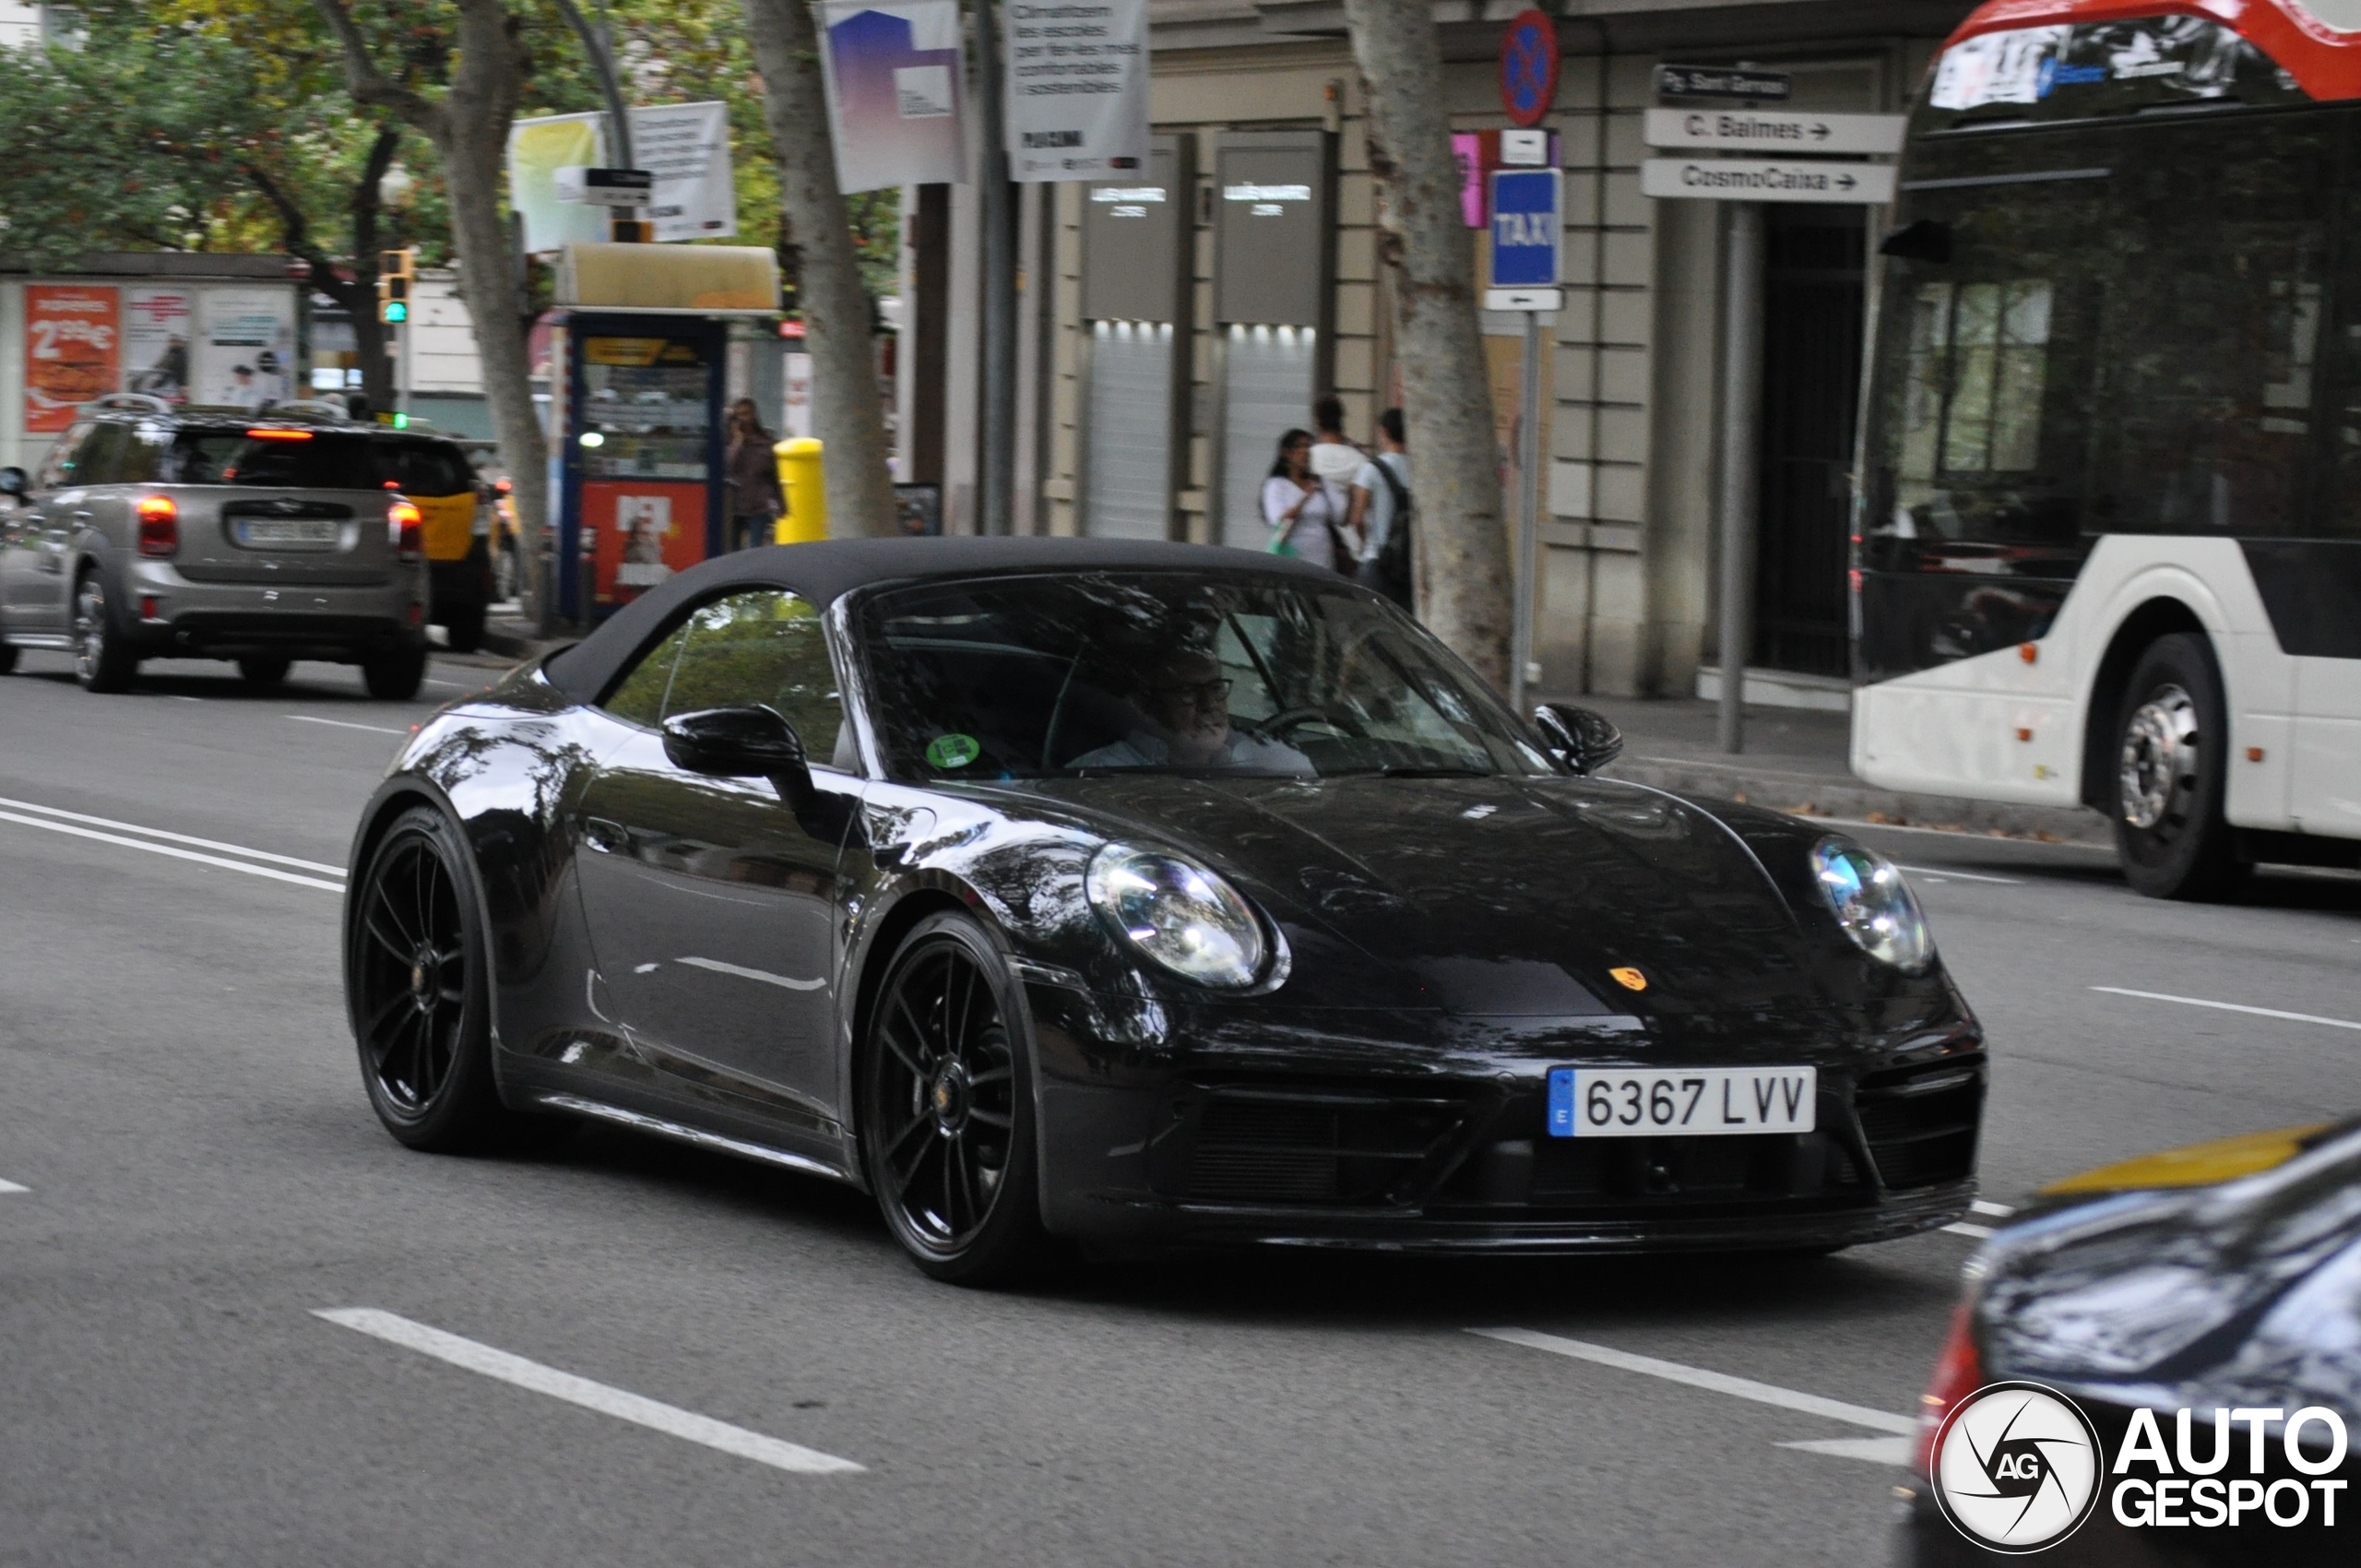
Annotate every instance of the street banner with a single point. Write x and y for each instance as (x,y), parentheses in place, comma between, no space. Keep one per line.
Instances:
(245,349)
(896,75)
(73,348)
(1077,75)
(155,342)
(685,145)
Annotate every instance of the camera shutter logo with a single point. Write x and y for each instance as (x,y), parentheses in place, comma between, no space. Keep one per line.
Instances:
(2017,1467)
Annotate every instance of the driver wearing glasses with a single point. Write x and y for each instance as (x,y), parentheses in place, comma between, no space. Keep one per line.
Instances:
(1184,713)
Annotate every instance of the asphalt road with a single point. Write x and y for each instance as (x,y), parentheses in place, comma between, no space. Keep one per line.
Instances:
(197,1177)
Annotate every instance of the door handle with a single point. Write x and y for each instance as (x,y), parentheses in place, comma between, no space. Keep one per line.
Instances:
(607,838)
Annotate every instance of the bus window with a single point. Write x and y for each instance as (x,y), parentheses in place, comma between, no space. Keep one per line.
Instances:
(2204,407)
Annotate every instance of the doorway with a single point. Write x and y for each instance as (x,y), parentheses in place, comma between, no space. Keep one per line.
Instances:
(1815,298)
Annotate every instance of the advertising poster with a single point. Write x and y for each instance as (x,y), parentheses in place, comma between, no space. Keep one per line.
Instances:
(896,97)
(686,145)
(155,342)
(642,531)
(245,348)
(73,349)
(1077,88)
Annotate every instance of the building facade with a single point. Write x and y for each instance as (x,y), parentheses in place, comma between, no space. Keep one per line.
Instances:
(1172,326)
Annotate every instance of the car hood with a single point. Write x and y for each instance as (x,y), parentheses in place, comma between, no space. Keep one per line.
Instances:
(2244,1294)
(1501,894)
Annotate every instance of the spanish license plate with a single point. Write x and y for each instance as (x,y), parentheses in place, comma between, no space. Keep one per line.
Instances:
(263,533)
(1631,1102)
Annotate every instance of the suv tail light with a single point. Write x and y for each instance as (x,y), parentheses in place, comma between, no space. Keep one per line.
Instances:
(1959,1371)
(159,526)
(406,530)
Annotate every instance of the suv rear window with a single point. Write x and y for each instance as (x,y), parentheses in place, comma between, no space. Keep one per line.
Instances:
(316,460)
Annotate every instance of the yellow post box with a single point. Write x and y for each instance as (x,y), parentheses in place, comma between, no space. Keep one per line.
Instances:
(807,494)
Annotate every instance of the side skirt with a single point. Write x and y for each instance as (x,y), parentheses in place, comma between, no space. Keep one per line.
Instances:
(697,1137)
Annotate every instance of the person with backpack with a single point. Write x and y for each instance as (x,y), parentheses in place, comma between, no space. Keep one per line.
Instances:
(1381,513)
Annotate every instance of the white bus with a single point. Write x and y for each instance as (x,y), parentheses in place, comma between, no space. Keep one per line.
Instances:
(2107,540)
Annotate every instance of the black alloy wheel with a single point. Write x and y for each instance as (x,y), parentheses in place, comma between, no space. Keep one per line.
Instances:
(947,1107)
(102,659)
(2172,772)
(418,988)
(264,671)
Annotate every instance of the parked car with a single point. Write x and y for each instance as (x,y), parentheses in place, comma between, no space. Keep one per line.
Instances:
(2223,1281)
(154,532)
(1140,894)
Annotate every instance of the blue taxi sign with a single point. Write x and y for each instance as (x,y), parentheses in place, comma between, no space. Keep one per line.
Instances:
(1527,228)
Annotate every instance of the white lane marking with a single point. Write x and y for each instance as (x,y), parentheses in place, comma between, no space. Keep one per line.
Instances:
(2230,1007)
(615,1402)
(343,724)
(176,854)
(1876,1450)
(2002,1210)
(1965,1229)
(647,968)
(12,1187)
(718,968)
(1698,1377)
(173,838)
(1961,875)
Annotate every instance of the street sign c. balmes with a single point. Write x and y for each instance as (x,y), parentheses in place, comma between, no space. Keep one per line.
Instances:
(1757,179)
(1773,131)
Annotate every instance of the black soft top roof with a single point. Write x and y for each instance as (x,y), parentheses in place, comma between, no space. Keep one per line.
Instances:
(824,570)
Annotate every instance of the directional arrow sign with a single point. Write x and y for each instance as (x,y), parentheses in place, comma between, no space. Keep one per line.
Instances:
(1756,178)
(1775,130)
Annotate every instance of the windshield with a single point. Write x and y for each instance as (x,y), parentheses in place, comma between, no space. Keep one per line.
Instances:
(312,460)
(1148,672)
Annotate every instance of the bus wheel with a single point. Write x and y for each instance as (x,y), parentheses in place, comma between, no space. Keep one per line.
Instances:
(2171,771)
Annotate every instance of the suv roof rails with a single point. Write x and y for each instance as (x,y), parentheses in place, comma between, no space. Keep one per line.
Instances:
(310,408)
(135,402)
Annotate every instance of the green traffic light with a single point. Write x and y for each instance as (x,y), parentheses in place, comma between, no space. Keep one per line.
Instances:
(396,312)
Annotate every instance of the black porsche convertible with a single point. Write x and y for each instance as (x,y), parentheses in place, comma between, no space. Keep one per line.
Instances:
(1140,894)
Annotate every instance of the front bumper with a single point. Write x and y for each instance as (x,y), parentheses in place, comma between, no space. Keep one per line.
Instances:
(173,616)
(1260,1137)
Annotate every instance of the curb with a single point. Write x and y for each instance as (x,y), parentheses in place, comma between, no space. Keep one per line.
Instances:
(1822,795)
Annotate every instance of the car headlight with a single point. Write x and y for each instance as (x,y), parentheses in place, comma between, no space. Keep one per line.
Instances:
(1180,914)
(1873,903)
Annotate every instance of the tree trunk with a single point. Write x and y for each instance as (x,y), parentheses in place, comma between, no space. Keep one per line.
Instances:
(469,125)
(846,412)
(1464,577)
(376,365)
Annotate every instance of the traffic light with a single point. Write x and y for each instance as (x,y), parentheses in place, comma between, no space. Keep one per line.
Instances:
(395,271)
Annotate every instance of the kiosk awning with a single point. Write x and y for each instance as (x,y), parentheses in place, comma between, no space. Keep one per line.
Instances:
(699,279)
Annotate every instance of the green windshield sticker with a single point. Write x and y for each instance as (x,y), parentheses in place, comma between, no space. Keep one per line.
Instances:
(952,751)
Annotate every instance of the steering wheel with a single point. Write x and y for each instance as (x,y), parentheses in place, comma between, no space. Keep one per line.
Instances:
(1279,724)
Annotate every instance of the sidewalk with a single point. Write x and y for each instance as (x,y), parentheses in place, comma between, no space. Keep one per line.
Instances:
(1796,761)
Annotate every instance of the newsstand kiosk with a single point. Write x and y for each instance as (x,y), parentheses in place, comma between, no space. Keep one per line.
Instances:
(638,369)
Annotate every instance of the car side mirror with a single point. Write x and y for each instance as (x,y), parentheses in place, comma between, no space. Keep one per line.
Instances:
(751,742)
(13,482)
(1583,740)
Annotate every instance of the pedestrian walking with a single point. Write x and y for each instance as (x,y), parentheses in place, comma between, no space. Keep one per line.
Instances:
(1306,512)
(755,500)
(1381,513)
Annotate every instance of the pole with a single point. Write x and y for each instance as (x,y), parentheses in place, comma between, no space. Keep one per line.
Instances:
(602,61)
(1529,512)
(996,464)
(1741,433)
(405,338)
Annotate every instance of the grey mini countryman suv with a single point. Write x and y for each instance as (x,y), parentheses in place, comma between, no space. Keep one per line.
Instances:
(153,532)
